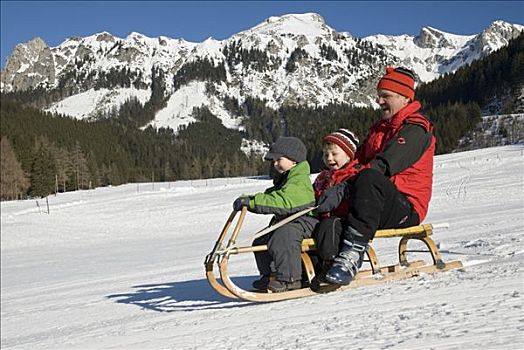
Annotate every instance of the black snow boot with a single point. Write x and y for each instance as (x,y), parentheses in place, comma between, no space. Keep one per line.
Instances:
(320,275)
(349,260)
(262,282)
(283,286)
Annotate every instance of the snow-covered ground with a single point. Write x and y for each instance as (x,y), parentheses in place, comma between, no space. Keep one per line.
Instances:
(122,268)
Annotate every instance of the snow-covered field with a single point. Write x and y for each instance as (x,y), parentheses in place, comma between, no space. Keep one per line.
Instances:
(122,268)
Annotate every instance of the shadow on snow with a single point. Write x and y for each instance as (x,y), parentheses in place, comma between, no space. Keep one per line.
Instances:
(181,296)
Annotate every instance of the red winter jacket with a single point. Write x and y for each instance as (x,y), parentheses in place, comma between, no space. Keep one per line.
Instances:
(415,178)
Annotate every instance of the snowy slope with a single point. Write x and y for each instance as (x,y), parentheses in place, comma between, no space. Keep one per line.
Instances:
(122,268)
(97,102)
(180,106)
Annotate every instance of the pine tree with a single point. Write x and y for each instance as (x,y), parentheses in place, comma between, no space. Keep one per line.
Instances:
(64,167)
(43,172)
(80,168)
(13,182)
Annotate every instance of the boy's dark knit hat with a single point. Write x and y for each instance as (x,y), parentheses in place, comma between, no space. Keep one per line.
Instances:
(289,147)
(344,139)
(399,80)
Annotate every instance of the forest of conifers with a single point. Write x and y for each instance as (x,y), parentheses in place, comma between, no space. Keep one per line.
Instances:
(43,153)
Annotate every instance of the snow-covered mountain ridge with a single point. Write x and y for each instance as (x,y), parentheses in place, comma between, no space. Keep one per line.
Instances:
(293,59)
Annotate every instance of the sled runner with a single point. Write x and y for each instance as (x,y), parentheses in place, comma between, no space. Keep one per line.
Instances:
(377,273)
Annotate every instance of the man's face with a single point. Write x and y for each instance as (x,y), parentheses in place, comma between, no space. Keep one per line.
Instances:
(390,102)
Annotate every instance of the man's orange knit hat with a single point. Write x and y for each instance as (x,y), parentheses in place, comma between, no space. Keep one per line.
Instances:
(399,80)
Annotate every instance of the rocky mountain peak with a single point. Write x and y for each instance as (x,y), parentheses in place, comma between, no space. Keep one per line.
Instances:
(308,24)
(27,52)
(497,34)
(503,28)
(432,38)
(29,65)
(36,45)
(105,36)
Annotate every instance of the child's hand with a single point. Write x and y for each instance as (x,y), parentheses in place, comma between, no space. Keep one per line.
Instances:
(331,199)
(242,201)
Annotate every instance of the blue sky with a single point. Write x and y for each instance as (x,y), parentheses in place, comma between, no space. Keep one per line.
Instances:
(54,21)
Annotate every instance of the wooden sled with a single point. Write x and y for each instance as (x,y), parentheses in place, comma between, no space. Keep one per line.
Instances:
(222,252)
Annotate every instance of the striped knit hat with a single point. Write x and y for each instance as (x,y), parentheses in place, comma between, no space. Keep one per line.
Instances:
(399,80)
(345,139)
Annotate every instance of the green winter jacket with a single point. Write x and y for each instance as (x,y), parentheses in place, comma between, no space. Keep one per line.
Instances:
(292,195)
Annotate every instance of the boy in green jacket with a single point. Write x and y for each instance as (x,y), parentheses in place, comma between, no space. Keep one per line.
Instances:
(281,265)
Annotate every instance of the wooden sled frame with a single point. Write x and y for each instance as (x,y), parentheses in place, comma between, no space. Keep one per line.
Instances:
(376,274)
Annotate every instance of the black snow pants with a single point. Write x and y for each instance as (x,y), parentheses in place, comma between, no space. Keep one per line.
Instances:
(376,203)
(327,237)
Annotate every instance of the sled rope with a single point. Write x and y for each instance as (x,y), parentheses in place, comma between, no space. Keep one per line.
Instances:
(269,229)
(441,225)
(282,223)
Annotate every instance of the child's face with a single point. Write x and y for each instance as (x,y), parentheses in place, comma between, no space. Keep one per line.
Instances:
(283,164)
(334,157)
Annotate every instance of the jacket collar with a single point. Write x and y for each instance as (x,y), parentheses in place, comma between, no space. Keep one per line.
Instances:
(399,117)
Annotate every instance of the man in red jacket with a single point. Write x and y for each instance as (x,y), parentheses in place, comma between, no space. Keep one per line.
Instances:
(393,187)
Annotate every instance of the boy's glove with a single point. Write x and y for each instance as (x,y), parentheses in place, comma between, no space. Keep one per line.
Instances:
(242,201)
(330,200)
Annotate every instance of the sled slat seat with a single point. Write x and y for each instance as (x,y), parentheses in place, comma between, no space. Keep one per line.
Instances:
(419,231)
(413,231)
